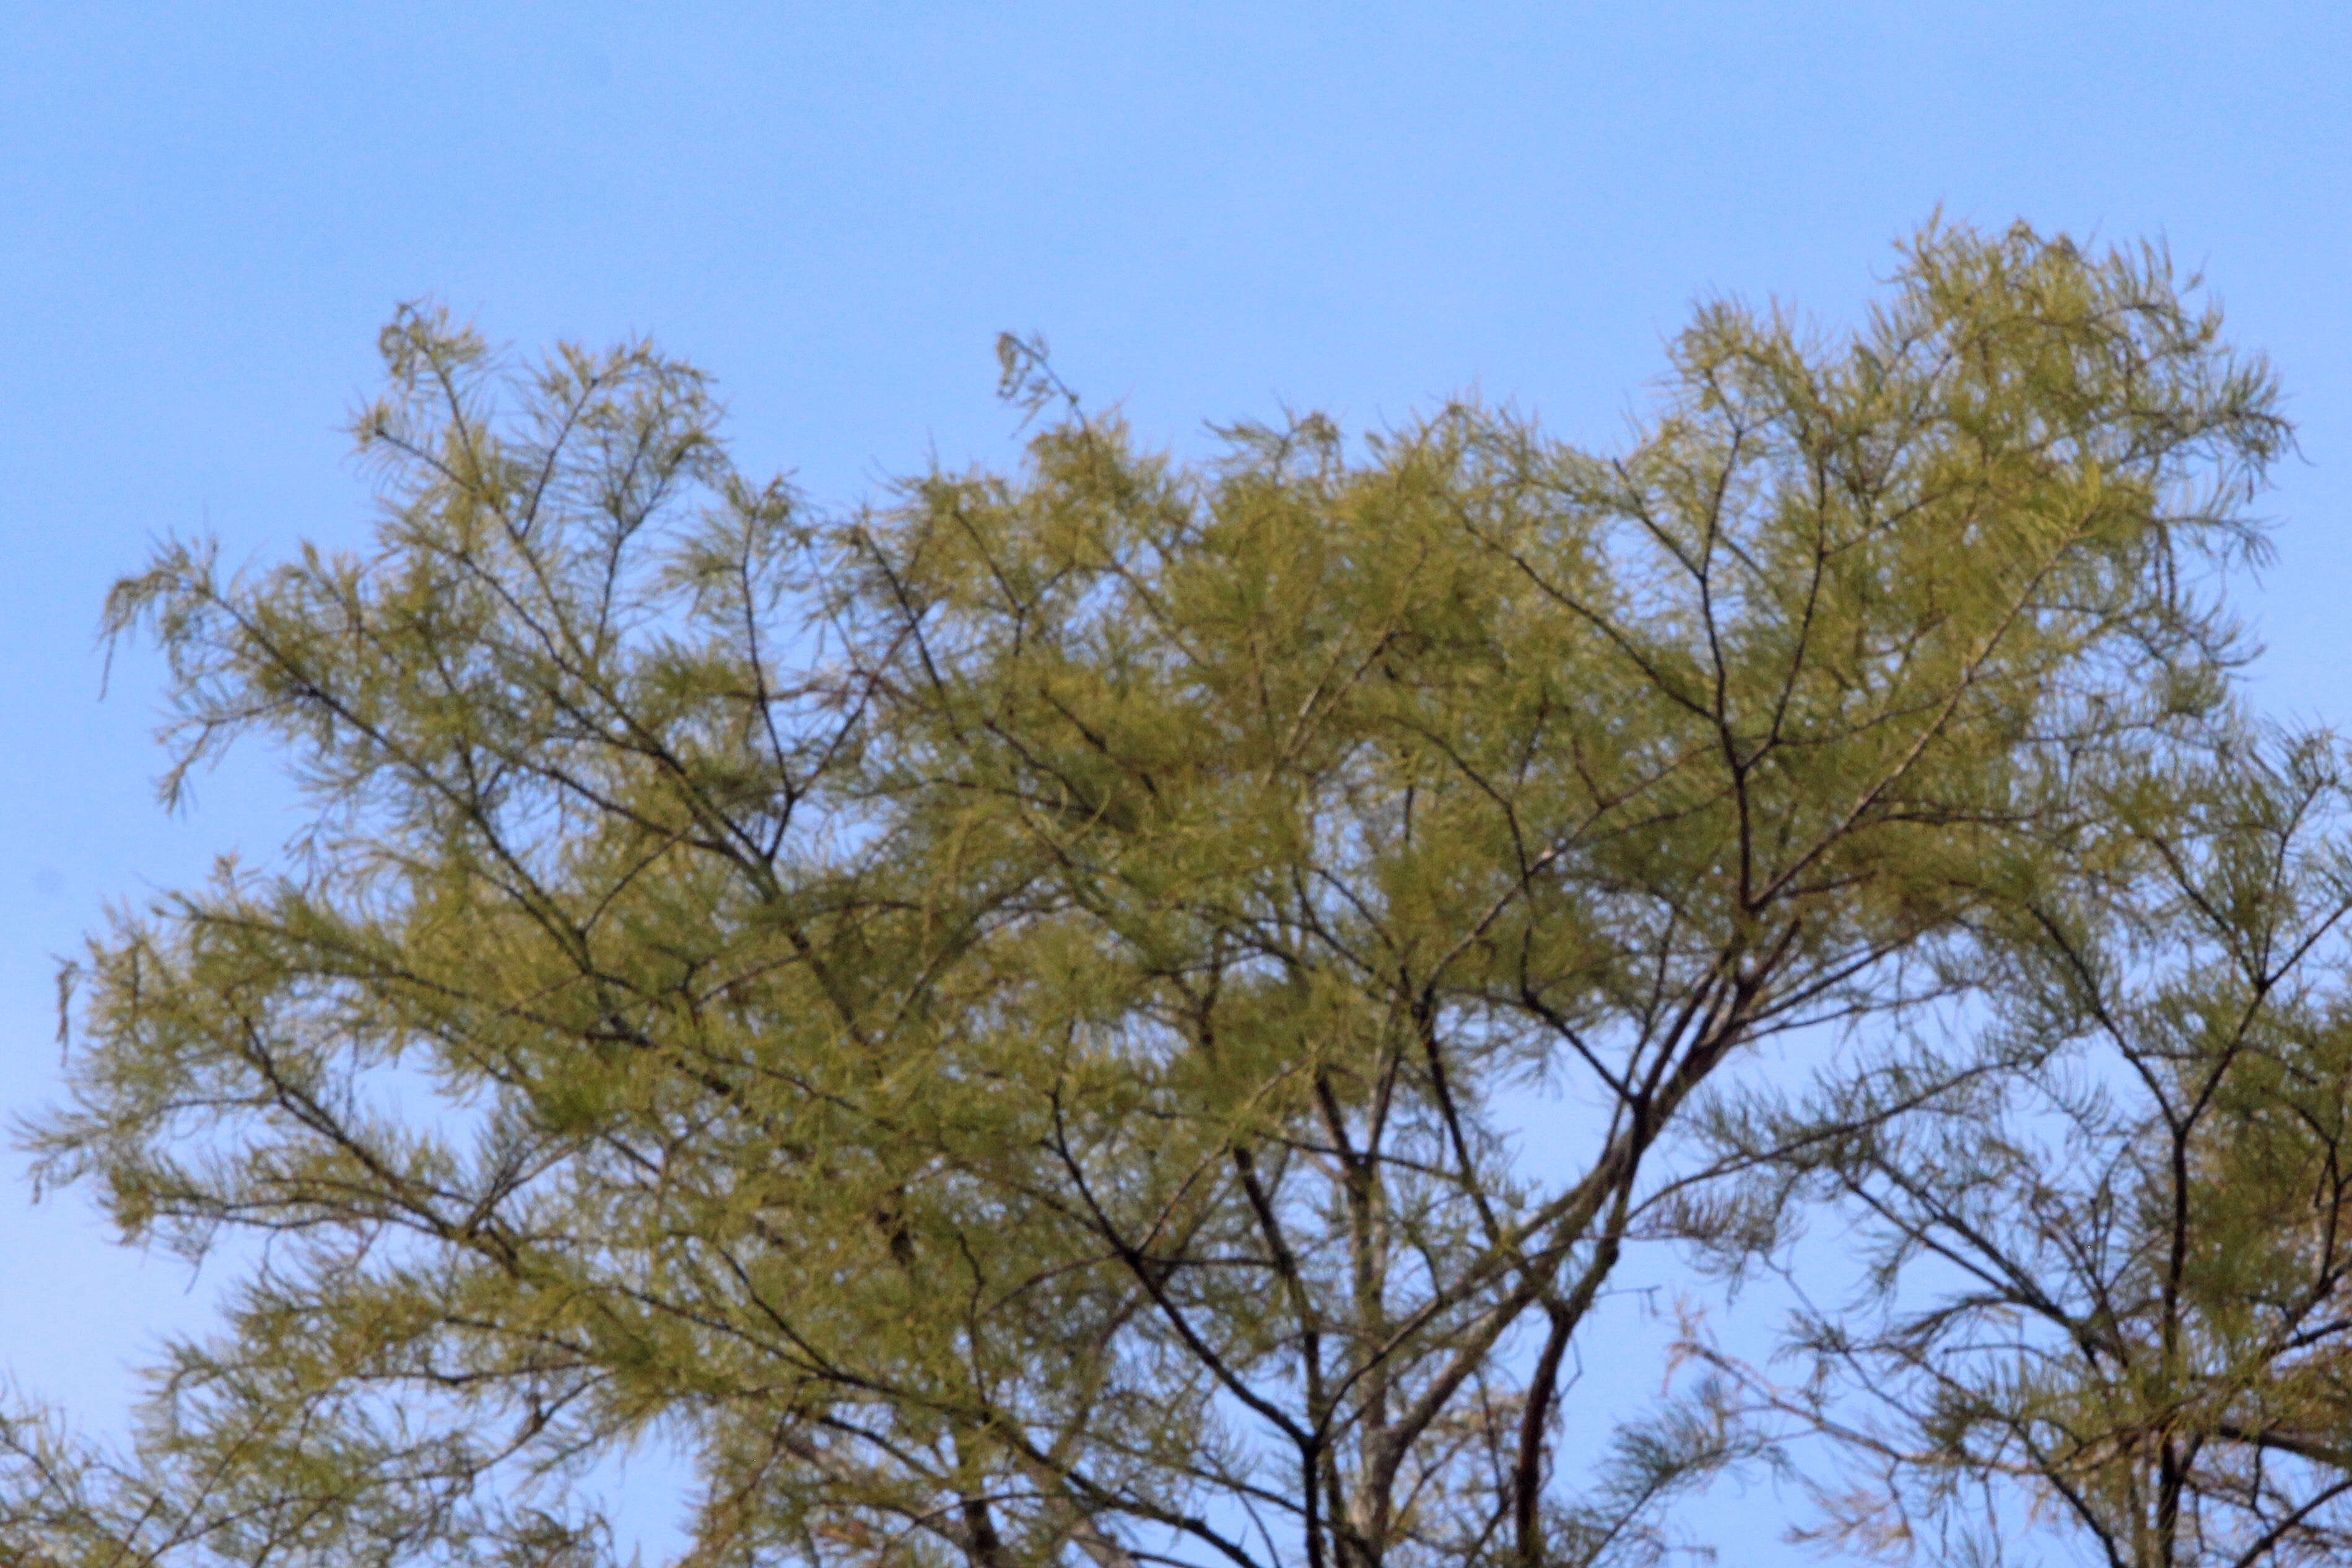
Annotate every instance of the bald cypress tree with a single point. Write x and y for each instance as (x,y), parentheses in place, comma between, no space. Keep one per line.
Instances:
(994,1020)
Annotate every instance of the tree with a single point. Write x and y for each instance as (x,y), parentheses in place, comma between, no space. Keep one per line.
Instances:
(995,1020)
(2112,1271)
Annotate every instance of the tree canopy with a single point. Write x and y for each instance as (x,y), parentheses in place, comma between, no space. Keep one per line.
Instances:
(999,1021)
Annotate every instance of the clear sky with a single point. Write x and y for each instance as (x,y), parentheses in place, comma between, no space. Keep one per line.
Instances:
(1211,211)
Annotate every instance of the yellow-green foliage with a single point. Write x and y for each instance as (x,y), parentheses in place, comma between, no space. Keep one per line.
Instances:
(992,1020)
(2111,1250)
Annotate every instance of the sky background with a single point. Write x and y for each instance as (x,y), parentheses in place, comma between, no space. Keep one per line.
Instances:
(1211,211)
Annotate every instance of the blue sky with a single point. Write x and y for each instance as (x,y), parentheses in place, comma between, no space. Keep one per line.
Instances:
(1211,210)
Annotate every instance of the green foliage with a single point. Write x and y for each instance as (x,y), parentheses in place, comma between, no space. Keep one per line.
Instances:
(2115,1275)
(995,1020)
